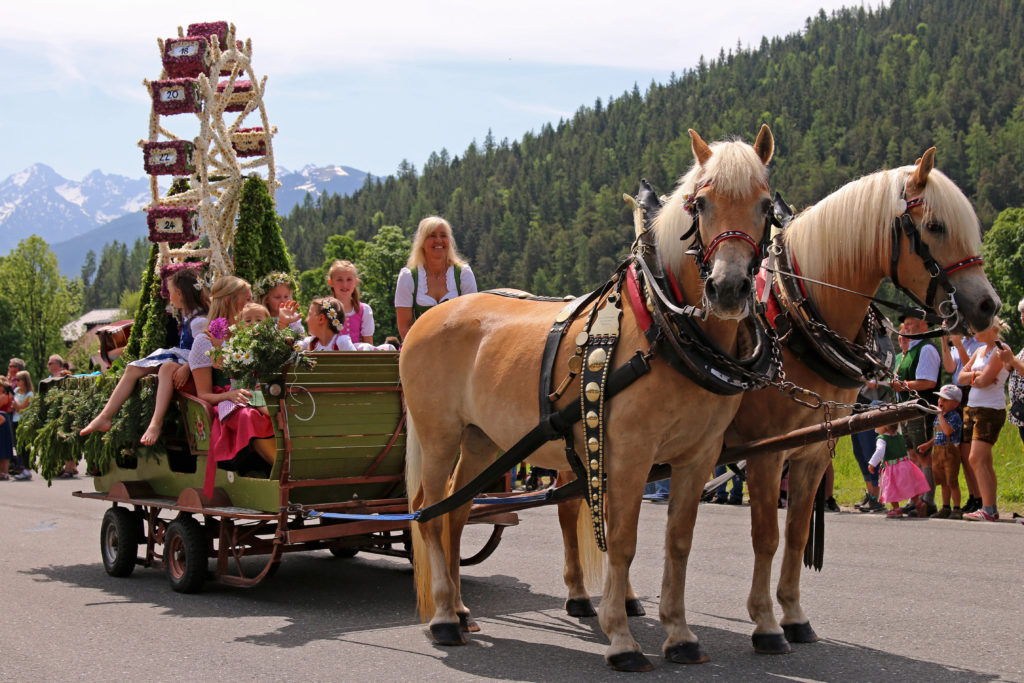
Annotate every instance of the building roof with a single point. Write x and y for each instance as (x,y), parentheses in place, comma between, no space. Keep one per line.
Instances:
(99,316)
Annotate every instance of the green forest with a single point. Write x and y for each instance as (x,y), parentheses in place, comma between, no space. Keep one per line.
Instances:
(851,92)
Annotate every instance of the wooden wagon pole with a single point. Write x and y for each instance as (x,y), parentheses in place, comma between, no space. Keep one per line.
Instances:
(842,427)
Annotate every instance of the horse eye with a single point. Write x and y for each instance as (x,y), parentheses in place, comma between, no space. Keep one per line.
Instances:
(935,227)
(766,206)
(700,203)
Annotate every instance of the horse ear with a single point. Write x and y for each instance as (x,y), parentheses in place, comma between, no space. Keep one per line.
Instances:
(701,151)
(764,145)
(924,166)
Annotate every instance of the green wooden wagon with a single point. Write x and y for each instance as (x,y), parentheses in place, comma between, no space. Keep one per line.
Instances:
(337,484)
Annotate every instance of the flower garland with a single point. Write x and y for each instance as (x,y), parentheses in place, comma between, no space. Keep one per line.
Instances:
(263,286)
(327,309)
(172,268)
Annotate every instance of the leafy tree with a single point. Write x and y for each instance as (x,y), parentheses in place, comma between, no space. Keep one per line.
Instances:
(384,256)
(1003,250)
(40,297)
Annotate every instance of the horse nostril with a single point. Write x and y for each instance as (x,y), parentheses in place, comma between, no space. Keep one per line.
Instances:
(988,306)
(744,288)
(710,289)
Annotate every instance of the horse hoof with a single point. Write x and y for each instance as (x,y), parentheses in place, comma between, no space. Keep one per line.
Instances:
(771,644)
(634,608)
(447,634)
(686,653)
(630,661)
(467,623)
(800,633)
(580,607)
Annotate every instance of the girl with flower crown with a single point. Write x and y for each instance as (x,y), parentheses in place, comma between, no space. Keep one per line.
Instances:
(343,279)
(324,324)
(237,428)
(276,291)
(188,298)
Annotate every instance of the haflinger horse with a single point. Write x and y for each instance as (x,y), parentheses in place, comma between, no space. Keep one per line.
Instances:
(470,373)
(912,224)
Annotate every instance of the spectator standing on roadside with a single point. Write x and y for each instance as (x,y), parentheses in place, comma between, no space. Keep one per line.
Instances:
(956,350)
(986,413)
(1016,363)
(917,369)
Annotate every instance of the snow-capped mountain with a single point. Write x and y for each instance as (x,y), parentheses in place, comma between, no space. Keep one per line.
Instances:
(40,201)
(75,216)
(315,180)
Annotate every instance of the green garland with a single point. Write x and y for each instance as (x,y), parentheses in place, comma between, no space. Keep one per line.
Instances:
(48,429)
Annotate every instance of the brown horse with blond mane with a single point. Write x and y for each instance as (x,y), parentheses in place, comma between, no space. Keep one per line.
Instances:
(847,240)
(470,373)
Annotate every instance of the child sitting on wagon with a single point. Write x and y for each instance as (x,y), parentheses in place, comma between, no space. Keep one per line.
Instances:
(276,292)
(188,298)
(324,324)
(901,478)
(237,429)
(343,279)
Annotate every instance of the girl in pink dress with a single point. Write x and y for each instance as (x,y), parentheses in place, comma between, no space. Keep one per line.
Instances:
(901,478)
(343,279)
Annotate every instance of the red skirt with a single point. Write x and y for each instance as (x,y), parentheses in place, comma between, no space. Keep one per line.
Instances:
(228,437)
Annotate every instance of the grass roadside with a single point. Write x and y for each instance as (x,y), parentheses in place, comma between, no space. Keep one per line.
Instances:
(1007,457)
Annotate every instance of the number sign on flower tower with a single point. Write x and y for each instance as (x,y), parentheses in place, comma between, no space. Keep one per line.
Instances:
(207,80)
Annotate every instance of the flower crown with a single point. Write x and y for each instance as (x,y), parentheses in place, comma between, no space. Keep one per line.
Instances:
(271,280)
(328,309)
(166,271)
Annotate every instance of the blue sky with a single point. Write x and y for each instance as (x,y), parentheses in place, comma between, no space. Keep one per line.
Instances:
(362,84)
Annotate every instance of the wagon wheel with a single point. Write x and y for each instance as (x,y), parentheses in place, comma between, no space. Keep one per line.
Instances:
(119,541)
(185,555)
(207,75)
(489,547)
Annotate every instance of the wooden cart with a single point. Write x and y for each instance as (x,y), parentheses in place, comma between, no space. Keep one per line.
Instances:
(338,483)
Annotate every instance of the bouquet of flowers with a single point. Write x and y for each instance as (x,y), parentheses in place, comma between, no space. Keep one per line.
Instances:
(255,353)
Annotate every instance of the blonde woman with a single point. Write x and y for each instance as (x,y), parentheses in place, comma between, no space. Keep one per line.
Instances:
(986,412)
(434,273)
(237,427)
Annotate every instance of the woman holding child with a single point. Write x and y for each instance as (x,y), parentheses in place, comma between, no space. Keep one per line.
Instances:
(434,273)
(237,427)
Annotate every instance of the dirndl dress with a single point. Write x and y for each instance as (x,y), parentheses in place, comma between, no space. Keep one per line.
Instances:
(901,480)
(190,327)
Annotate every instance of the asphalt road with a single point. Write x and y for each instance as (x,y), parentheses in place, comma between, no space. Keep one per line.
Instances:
(911,600)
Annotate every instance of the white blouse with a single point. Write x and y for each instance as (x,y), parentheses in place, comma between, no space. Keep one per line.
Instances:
(403,291)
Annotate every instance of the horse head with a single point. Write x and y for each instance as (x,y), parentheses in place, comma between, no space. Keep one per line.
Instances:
(723,202)
(937,226)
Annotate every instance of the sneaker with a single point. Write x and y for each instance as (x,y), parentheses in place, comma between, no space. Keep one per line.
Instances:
(973,505)
(944,513)
(981,516)
(24,475)
(895,513)
(956,514)
(735,501)
(873,505)
(932,509)
(863,502)
(831,505)
(910,509)
(720,499)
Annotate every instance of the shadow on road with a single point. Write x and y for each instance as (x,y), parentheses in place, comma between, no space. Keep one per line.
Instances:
(321,599)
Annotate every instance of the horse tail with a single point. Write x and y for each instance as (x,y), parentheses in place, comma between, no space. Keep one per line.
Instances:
(420,558)
(591,557)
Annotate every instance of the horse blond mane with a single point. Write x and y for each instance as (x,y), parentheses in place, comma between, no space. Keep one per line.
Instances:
(850,230)
(735,169)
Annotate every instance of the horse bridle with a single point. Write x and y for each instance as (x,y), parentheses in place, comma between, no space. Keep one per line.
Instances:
(702,254)
(904,225)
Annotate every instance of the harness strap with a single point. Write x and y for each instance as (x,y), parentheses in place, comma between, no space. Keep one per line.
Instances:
(559,423)
(599,346)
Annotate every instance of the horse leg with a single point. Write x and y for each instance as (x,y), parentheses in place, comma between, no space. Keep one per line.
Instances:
(806,468)
(435,446)
(625,490)
(681,645)
(477,451)
(578,603)
(763,475)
